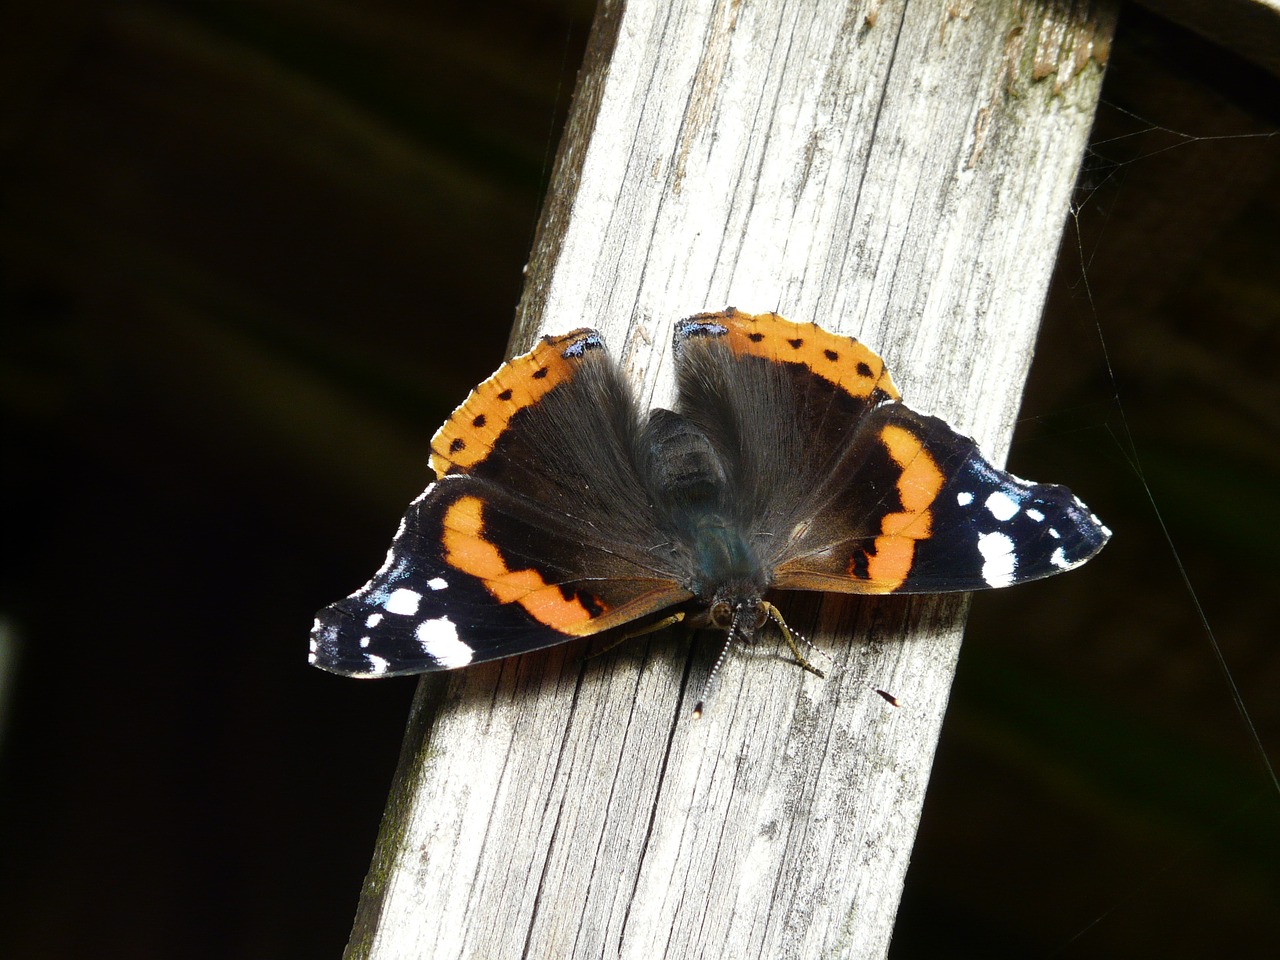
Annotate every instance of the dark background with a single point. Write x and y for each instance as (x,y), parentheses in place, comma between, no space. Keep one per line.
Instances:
(250,256)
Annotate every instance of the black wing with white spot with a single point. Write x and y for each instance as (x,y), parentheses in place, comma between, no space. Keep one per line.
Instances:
(539,530)
(992,529)
(914,507)
(455,591)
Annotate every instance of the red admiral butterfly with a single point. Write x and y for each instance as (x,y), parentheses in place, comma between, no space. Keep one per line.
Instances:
(788,464)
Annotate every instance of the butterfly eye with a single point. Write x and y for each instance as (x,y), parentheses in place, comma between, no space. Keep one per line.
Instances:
(722,614)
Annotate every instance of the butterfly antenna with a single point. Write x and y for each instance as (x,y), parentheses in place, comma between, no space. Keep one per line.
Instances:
(709,684)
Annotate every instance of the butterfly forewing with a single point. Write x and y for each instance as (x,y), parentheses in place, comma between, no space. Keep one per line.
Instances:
(538,530)
(781,401)
(844,488)
(914,507)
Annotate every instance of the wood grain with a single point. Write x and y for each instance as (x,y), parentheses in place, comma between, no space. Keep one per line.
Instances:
(897,171)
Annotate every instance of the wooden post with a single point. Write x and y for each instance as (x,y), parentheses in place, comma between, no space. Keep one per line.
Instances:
(899,171)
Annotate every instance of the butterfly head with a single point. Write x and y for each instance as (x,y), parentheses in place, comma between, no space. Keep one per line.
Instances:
(741,616)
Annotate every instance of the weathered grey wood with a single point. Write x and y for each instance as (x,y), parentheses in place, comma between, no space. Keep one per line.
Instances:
(900,171)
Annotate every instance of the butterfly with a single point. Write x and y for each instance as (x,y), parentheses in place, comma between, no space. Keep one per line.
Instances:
(561,510)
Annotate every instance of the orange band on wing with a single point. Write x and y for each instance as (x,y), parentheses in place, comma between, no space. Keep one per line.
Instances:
(469,434)
(920,481)
(467,550)
(842,361)
(917,486)
(891,562)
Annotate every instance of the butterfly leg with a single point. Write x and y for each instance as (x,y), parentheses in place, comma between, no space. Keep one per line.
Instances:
(772,612)
(654,627)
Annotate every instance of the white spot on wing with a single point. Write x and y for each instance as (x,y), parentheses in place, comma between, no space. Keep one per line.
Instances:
(1035,514)
(403,601)
(373,620)
(364,642)
(1059,560)
(311,657)
(1002,506)
(377,666)
(999,559)
(439,639)
(437,583)
(964,498)
(390,559)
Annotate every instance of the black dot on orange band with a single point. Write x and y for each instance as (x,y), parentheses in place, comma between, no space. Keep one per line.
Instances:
(540,373)
(831,355)
(456,444)
(505,395)
(859,565)
(478,421)
(796,344)
(864,370)
(755,337)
